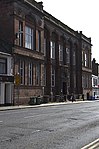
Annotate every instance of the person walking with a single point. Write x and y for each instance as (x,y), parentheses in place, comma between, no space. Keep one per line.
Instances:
(72,97)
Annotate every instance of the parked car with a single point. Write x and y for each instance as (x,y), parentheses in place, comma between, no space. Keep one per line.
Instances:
(96,96)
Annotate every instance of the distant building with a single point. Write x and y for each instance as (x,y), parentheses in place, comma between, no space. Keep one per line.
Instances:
(95,79)
(50,57)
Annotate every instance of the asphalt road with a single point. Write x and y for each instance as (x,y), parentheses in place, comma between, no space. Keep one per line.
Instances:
(69,126)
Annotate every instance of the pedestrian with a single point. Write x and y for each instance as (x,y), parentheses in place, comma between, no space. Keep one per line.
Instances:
(72,97)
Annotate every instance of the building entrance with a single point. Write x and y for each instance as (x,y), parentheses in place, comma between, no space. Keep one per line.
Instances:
(5,93)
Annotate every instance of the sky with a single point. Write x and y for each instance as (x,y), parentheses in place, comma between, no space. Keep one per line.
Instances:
(80,15)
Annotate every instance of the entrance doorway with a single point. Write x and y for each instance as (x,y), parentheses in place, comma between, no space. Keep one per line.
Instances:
(7,99)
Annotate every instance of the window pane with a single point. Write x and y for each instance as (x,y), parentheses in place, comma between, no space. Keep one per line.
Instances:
(30,73)
(60,52)
(22,71)
(44,46)
(52,49)
(67,55)
(37,74)
(28,37)
(52,77)
(3,66)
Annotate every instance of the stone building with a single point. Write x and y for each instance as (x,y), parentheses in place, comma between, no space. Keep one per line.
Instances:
(50,57)
(95,79)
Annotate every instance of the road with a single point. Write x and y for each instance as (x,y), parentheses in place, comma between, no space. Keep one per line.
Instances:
(69,126)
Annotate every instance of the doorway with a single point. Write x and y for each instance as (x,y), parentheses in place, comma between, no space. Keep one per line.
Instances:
(7,99)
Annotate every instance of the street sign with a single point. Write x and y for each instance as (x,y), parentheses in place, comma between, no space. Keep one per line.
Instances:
(17,79)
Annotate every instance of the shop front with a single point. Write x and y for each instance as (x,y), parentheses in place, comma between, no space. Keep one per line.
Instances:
(6,90)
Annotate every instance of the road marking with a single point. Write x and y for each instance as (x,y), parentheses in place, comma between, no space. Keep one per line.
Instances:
(1,121)
(92,145)
(29,116)
(36,131)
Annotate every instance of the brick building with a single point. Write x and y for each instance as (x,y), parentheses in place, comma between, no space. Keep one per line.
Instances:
(50,57)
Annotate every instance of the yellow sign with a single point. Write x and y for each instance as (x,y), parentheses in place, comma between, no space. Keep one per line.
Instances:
(17,79)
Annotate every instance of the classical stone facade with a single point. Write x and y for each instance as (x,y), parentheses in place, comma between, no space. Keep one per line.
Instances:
(49,57)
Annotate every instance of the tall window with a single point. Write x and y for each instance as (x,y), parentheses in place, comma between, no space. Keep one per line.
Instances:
(37,74)
(52,76)
(30,73)
(22,72)
(67,55)
(0,89)
(82,58)
(38,40)
(60,52)
(74,58)
(43,74)
(44,46)
(3,66)
(86,60)
(85,81)
(52,47)
(20,33)
(29,37)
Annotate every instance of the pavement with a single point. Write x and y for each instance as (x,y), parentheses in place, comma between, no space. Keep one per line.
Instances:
(4,108)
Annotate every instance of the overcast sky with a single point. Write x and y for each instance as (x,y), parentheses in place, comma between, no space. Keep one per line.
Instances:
(81,15)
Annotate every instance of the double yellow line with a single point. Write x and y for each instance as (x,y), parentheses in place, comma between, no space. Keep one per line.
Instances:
(92,145)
